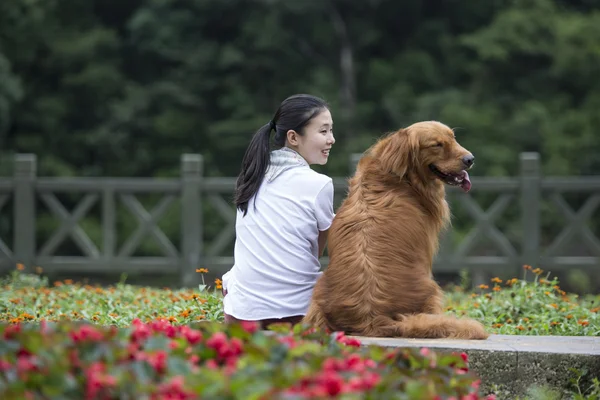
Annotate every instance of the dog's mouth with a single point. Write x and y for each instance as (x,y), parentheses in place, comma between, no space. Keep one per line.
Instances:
(460,179)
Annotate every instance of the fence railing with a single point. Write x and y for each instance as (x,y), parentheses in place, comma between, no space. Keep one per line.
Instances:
(528,219)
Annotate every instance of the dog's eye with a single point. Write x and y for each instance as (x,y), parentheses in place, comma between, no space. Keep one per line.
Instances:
(438,144)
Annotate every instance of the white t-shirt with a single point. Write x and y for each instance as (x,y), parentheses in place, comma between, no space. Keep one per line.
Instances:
(276,250)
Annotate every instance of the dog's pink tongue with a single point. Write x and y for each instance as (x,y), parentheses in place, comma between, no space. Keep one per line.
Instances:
(466,183)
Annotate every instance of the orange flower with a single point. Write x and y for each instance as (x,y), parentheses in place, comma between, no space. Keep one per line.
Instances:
(171,319)
(527,266)
(538,271)
(482,286)
(497,325)
(554,305)
(520,327)
(525,319)
(38,270)
(554,323)
(219,283)
(569,316)
(68,281)
(202,270)
(496,280)
(595,310)
(20,267)
(26,316)
(583,322)
(185,313)
(497,288)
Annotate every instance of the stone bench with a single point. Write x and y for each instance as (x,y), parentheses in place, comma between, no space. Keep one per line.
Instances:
(512,364)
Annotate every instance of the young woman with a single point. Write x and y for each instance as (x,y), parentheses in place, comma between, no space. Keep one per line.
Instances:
(284,210)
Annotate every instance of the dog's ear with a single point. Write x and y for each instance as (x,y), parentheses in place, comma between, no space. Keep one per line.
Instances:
(398,152)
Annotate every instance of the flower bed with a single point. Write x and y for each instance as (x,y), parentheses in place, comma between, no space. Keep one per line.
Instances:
(534,305)
(159,360)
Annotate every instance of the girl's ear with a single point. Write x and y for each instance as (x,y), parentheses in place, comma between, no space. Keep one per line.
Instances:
(292,137)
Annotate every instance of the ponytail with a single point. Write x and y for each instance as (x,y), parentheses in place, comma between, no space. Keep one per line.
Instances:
(254,166)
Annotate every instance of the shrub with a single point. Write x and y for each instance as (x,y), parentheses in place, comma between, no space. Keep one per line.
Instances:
(159,360)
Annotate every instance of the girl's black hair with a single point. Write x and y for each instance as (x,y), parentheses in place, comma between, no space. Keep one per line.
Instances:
(294,113)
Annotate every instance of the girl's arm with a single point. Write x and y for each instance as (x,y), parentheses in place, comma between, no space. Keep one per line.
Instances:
(322,241)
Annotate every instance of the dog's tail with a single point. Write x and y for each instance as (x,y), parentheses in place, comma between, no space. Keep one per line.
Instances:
(427,326)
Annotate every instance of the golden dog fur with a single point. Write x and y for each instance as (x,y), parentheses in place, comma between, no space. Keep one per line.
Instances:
(383,240)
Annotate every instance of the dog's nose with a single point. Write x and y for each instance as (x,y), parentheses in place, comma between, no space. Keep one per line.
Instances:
(468,160)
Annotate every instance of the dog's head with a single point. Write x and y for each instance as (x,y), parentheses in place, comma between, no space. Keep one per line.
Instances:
(429,151)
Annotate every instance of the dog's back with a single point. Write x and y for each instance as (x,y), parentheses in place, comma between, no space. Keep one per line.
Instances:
(381,247)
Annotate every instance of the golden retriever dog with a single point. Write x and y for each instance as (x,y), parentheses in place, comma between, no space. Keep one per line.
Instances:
(385,235)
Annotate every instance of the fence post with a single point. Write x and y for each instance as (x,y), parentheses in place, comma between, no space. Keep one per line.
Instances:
(353,162)
(530,207)
(191,218)
(25,173)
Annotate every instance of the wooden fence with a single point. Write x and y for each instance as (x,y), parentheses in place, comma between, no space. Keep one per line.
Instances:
(530,220)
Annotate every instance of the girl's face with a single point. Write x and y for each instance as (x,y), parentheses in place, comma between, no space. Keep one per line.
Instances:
(317,140)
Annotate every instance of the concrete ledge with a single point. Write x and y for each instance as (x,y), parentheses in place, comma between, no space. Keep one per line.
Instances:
(511,364)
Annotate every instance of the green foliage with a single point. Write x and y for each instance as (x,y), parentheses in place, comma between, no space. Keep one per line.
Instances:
(218,361)
(133,85)
(124,88)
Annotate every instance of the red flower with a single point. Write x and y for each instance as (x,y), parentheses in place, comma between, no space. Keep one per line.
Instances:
(86,332)
(4,365)
(332,383)
(342,338)
(140,332)
(173,389)
(96,380)
(289,340)
(250,326)
(193,336)
(12,331)
(158,361)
